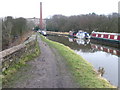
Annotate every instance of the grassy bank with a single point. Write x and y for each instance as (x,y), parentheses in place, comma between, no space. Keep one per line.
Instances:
(82,71)
(8,74)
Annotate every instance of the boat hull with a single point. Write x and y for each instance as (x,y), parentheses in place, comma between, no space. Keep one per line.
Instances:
(106,40)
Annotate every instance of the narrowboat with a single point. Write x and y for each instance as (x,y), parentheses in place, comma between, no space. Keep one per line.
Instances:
(72,34)
(110,37)
(82,34)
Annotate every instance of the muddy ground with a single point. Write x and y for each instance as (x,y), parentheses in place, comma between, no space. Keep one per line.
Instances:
(49,70)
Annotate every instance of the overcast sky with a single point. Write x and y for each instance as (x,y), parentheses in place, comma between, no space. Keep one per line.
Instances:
(30,8)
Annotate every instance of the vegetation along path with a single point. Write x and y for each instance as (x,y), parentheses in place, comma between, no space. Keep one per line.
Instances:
(58,67)
(47,71)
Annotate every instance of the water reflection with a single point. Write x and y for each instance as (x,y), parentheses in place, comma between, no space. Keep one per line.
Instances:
(107,49)
(95,47)
(86,45)
(79,41)
(71,42)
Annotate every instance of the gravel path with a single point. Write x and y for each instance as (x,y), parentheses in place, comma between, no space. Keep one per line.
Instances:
(49,70)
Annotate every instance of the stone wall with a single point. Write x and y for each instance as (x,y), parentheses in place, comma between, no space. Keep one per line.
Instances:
(12,55)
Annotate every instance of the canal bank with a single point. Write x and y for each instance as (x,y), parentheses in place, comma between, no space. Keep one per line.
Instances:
(82,71)
(100,55)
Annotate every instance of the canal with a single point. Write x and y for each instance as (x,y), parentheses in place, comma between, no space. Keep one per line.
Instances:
(104,58)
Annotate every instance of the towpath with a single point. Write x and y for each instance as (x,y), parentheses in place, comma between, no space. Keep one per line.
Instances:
(47,71)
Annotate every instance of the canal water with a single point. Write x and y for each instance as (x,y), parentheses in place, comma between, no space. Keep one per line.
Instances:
(104,58)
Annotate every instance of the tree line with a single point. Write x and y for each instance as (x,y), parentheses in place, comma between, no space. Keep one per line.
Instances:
(88,23)
(13,29)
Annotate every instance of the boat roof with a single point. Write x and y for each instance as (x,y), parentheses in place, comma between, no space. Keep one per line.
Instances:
(106,33)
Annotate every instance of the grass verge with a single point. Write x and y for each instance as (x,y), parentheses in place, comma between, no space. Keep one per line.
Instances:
(82,71)
(8,74)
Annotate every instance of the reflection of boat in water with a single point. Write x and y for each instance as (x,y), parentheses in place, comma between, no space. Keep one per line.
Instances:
(83,41)
(80,41)
(113,51)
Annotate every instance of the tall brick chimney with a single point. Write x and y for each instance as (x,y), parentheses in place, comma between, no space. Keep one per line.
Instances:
(41,23)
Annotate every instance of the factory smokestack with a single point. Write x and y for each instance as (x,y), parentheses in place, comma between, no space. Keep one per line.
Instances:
(41,22)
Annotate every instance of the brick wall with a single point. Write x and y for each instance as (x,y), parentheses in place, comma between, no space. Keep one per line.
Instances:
(12,55)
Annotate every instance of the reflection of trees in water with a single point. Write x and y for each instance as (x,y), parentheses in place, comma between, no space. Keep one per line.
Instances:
(73,44)
(103,43)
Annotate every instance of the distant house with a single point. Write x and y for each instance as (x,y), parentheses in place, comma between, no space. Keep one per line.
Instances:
(37,22)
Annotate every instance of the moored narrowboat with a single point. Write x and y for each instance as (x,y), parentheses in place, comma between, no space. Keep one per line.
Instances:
(72,33)
(111,37)
(80,34)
